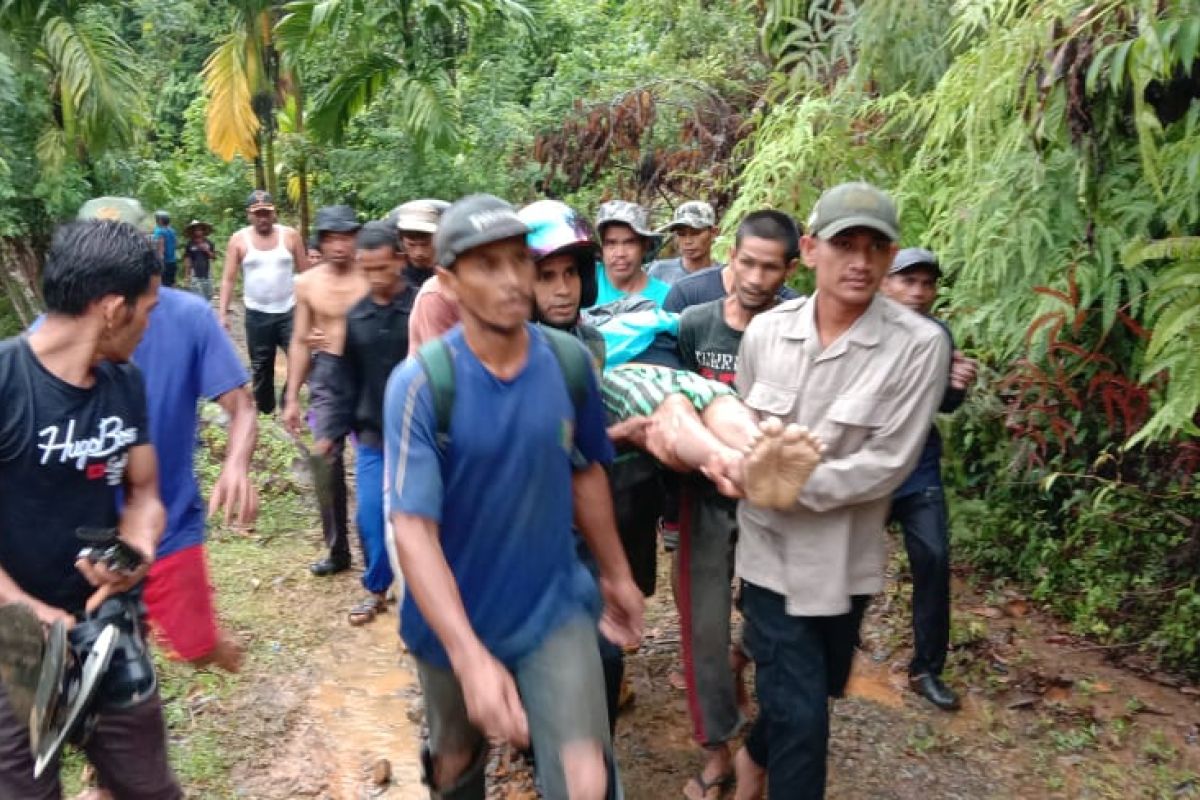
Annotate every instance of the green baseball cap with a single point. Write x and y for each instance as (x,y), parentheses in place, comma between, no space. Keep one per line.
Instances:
(854,205)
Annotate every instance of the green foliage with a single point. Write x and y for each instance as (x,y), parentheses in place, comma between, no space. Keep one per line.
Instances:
(1048,151)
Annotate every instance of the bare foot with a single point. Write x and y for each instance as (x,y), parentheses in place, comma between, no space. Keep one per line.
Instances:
(779,465)
(751,778)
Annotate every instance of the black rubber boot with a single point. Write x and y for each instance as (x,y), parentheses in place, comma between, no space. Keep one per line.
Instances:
(469,786)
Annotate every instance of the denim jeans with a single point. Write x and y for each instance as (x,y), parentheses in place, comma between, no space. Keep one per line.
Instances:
(202,287)
(923,519)
(371,528)
(800,662)
(561,688)
(265,333)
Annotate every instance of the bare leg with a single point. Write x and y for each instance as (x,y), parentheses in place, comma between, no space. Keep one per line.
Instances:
(226,655)
(751,778)
(679,439)
(732,422)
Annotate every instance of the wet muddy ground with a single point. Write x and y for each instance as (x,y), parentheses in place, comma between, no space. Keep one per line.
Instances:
(325,710)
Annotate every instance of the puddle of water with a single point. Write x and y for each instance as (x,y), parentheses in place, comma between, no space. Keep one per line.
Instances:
(361,705)
(874,682)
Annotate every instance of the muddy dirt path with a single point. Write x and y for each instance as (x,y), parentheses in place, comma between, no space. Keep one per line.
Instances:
(1045,715)
(1042,717)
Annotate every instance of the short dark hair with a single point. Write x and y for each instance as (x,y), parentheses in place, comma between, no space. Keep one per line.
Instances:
(377,234)
(93,259)
(773,225)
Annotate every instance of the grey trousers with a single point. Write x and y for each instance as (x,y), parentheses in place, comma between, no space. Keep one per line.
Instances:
(707,535)
(562,689)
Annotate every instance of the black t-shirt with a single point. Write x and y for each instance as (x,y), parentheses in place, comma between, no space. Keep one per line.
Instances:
(197,255)
(707,344)
(376,341)
(63,454)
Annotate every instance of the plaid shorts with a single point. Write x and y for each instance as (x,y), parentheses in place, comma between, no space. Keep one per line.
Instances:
(637,390)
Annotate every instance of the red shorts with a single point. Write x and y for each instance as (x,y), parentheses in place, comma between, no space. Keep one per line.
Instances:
(179,603)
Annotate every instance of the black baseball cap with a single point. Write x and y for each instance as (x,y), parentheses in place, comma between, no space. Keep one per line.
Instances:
(473,221)
(914,257)
(336,219)
(260,200)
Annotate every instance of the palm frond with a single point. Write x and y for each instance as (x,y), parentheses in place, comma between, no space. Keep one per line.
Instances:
(231,76)
(98,78)
(348,92)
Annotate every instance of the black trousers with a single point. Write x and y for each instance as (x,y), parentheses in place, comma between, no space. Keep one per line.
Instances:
(923,519)
(264,334)
(800,662)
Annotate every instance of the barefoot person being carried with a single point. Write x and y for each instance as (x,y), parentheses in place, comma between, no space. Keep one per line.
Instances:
(324,295)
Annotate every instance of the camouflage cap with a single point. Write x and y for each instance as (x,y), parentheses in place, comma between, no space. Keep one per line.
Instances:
(854,205)
(692,214)
(625,213)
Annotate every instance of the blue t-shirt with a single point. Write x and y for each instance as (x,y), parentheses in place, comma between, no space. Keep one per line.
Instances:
(185,355)
(167,234)
(500,493)
(655,289)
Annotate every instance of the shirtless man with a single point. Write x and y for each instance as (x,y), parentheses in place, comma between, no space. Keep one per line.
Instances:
(270,255)
(323,296)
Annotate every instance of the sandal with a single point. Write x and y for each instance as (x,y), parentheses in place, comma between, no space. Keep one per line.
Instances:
(721,784)
(367,609)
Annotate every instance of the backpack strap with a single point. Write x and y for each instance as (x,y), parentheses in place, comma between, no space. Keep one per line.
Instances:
(438,363)
(574,362)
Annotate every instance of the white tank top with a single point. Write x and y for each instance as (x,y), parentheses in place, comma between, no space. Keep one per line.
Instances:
(267,276)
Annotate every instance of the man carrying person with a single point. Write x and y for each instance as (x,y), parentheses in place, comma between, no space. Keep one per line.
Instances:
(866,375)
(625,242)
(73,433)
(166,246)
(376,341)
(198,255)
(483,509)
(324,295)
(694,227)
(765,252)
(919,505)
(270,255)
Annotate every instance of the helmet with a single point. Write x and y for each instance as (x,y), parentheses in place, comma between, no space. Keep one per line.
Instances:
(555,227)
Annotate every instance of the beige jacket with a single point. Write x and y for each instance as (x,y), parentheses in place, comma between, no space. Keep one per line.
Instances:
(870,396)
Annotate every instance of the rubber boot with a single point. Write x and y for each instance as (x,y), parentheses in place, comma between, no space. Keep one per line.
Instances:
(469,786)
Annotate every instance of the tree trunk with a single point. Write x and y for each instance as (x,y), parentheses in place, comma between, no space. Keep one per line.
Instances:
(260,178)
(269,154)
(302,165)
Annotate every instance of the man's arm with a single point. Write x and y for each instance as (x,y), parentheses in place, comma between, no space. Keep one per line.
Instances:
(234,491)
(143,520)
(229,277)
(10,592)
(299,357)
(963,371)
(888,455)
(299,251)
(594,518)
(488,689)
(415,491)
